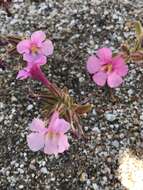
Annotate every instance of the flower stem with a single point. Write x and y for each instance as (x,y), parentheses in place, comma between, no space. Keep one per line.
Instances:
(37,74)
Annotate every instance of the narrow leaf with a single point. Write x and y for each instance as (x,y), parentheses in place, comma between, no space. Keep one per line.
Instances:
(81,109)
(138,29)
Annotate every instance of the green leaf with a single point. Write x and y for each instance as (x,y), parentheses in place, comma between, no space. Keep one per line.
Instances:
(138,29)
(81,109)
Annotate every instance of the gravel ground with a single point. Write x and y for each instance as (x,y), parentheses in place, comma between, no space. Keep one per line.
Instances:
(77,29)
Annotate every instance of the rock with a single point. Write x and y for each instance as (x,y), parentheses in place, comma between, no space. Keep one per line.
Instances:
(95,186)
(130,92)
(83,177)
(44,170)
(30,107)
(21,186)
(115,143)
(13,99)
(96,129)
(110,117)
(141,117)
(1,118)
(1,105)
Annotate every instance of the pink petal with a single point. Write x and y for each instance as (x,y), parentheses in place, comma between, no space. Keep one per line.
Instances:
(114,80)
(23,46)
(39,58)
(93,64)
(63,144)
(38,125)
(100,78)
(53,119)
(47,48)
(60,126)
(56,144)
(40,61)
(105,54)
(28,57)
(23,74)
(119,66)
(38,37)
(35,141)
(51,145)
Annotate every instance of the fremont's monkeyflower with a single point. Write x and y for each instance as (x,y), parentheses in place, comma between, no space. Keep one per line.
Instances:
(36,48)
(105,68)
(34,71)
(28,70)
(51,140)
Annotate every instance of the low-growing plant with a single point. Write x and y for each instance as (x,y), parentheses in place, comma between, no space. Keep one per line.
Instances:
(61,112)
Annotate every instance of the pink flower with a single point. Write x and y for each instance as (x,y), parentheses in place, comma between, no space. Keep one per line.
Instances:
(36,48)
(27,71)
(51,140)
(105,68)
(34,71)
(24,73)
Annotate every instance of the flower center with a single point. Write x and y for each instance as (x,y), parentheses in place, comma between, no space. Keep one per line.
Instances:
(34,49)
(107,68)
(52,134)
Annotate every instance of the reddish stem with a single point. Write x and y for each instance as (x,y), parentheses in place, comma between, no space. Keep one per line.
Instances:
(37,74)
